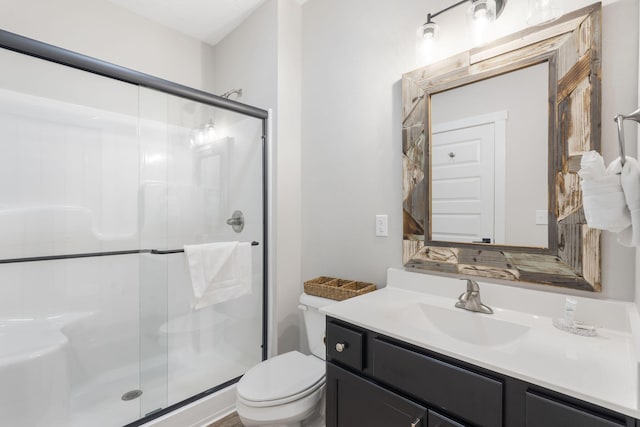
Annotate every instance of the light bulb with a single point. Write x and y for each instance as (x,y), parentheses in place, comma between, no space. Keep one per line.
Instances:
(481,13)
(425,39)
(429,30)
(210,132)
(483,10)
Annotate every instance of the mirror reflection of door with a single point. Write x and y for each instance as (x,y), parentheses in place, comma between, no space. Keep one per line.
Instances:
(465,192)
(517,104)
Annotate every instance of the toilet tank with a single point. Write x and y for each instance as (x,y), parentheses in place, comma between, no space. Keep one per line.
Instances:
(314,322)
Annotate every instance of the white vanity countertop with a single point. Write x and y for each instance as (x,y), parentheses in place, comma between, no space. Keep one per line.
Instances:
(602,370)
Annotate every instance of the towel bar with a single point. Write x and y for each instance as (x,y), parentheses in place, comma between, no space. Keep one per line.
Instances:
(96,254)
(635,116)
(176,251)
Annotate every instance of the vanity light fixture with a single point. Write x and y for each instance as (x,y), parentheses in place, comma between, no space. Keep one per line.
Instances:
(480,12)
(204,135)
(483,10)
(429,28)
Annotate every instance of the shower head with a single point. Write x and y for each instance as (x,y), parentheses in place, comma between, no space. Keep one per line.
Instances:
(227,94)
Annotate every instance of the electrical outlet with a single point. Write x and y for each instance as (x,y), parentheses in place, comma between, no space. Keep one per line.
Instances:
(382,225)
(542,217)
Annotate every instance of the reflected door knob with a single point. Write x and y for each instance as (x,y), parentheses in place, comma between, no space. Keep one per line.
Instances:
(340,347)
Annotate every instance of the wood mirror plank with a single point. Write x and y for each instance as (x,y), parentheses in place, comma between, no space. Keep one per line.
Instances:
(571,47)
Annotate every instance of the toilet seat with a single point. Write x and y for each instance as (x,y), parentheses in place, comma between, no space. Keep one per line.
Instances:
(281,379)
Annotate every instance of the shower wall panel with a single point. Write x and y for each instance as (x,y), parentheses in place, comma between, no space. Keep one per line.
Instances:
(69,164)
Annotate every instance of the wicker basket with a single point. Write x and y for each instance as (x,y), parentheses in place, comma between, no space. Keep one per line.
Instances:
(336,289)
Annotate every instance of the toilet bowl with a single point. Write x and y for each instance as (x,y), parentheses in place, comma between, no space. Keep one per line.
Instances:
(288,390)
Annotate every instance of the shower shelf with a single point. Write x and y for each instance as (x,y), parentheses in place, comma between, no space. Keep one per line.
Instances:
(98,254)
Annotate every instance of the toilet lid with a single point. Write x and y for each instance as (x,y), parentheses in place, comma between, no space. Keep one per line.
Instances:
(281,377)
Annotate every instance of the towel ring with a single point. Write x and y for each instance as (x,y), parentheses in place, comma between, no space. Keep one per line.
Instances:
(635,116)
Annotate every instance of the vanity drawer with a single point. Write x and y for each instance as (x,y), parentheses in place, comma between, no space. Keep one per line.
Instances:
(437,420)
(544,412)
(471,396)
(345,346)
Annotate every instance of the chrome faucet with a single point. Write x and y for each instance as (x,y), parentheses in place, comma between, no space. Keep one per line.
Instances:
(470,300)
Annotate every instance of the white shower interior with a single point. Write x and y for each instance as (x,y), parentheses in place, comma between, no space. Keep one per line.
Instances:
(92,165)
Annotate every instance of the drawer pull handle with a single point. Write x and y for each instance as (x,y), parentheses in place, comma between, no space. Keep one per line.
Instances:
(416,422)
(340,347)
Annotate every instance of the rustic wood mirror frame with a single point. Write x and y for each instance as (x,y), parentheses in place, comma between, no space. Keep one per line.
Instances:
(572,48)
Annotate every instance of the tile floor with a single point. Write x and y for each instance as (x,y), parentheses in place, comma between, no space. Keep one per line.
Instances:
(230,420)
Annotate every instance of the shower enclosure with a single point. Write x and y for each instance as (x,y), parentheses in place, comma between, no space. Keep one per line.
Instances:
(105,175)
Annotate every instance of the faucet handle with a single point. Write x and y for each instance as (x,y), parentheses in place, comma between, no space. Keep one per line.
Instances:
(472,286)
(470,300)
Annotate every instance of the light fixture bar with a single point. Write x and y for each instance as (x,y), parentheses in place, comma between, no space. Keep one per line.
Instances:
(433,15)
(499,7)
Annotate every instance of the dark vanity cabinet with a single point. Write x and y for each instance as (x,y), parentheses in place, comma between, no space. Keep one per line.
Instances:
(368,404)
(377,381)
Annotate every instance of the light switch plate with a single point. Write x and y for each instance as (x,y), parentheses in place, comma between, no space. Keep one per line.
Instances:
(382,225)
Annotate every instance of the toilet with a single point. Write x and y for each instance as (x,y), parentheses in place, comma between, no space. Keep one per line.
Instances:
(288,390)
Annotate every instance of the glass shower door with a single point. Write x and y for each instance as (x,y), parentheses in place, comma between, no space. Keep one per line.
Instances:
(199,164)
(102,184)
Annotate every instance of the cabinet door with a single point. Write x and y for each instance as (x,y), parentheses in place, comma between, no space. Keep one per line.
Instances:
(353,401)
(544,412)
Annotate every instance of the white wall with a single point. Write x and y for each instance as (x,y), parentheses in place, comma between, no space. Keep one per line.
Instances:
(100,29)
(637,264)
(262,56)
(288,182)
(354,54)
(243,63)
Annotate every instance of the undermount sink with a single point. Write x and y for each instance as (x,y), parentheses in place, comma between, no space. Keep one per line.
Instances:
(462,325)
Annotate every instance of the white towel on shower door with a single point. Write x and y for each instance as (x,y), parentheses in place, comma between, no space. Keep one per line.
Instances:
(219,271)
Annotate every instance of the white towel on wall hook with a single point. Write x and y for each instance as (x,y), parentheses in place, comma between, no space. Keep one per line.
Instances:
(630,179)
(604,203)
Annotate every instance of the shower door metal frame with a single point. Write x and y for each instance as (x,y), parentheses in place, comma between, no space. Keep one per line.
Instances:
(48,52)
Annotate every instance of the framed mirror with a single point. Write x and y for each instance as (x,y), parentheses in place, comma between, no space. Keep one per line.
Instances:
(492,142)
